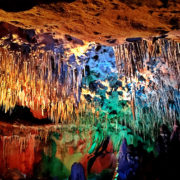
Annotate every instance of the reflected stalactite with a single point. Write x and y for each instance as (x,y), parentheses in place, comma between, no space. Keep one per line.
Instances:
(21,147)
(15,150)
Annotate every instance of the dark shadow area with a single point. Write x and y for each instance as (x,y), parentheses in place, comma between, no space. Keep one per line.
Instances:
(17,5)
(165,3)
(175,23)
(21,115)
(133,39)
(23,5)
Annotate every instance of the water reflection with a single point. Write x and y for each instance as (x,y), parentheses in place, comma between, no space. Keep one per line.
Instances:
(48,152)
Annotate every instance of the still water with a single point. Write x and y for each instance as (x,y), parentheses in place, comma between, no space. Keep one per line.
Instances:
(49,151)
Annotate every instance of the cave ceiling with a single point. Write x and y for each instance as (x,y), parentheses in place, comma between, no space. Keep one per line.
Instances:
(107,22)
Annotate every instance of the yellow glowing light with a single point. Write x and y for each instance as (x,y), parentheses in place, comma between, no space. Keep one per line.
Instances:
(34,85)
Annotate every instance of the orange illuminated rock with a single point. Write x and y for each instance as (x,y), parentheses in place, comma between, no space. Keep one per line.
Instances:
(112,21)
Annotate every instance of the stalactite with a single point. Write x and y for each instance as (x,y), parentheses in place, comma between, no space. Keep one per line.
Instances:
(133,98)
(130,56)
(39,81)
(132,59)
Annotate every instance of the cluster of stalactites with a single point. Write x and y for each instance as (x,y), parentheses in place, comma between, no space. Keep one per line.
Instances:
(41,81)
(130,57)
(161,95)
(19,141)
(165,102)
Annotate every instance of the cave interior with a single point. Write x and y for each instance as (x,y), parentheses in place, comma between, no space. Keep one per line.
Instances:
(89,89)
